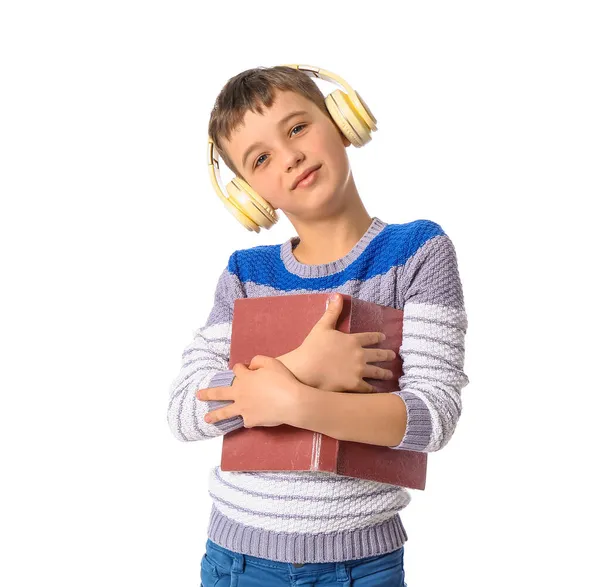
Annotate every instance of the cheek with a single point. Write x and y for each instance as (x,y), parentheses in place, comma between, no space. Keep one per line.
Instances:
(332,145)
(260,183)
(339,160)
(267,190)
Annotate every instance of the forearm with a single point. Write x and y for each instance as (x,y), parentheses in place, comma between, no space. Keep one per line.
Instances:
(291,361)
(302,369)
(373,418)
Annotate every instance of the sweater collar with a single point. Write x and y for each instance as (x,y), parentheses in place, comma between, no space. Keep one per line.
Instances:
(303,270)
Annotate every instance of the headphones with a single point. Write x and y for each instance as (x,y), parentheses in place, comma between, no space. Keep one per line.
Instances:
(351,115)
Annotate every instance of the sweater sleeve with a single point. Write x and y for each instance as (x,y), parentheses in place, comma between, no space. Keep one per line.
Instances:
(432,349)
(204,363)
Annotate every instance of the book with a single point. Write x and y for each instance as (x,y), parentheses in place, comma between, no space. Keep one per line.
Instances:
(276,325)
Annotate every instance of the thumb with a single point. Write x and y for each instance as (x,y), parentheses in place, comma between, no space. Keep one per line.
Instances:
(257,362)
(333,307)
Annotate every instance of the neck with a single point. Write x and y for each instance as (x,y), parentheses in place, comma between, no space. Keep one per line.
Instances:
(332,234)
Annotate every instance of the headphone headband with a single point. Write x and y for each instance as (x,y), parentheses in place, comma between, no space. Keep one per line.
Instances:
(329,76)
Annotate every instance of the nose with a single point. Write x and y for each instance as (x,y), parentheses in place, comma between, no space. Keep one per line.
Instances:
(292,158)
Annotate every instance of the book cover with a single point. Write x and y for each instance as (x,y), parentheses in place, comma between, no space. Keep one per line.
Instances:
(275,325)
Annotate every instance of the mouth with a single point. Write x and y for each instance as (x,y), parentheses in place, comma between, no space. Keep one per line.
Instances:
(307,179)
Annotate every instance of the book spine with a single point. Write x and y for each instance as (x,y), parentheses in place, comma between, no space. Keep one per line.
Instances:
(315,460)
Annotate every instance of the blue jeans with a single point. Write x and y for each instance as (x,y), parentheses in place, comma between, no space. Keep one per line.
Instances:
(224,568)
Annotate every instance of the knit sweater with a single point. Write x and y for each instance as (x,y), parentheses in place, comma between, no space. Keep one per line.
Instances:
(302,517)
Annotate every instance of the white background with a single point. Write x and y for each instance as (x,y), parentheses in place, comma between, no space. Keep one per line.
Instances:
(112,241)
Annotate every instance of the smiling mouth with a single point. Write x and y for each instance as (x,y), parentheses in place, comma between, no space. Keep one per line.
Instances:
(309,179)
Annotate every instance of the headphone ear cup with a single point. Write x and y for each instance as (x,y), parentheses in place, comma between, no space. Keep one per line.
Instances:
(349,121)
(370,120)
(233,207)
(255,208)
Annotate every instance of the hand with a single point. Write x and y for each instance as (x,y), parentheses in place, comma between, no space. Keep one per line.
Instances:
(336,361)
(264,394)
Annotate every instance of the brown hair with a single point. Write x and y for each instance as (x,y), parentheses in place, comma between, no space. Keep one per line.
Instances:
(249,90)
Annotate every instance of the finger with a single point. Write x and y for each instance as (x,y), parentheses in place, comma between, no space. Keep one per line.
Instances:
(373,372)
(221,414)
(378,355)
(364,387)
(369,338)
(239,368)
(272,363)
(214,393)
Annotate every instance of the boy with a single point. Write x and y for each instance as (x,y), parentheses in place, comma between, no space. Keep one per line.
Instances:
(293,528)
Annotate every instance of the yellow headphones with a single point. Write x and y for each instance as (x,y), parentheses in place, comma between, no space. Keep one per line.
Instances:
(348,111)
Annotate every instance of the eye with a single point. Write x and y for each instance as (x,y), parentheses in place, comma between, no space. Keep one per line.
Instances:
(299,126)
(257,162)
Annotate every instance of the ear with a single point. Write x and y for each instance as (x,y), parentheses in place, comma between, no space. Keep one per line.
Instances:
(346,142)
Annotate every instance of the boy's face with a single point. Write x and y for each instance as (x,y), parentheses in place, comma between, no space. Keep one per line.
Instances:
(288,146)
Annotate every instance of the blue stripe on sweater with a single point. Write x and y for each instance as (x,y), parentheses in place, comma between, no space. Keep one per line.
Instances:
(399,242)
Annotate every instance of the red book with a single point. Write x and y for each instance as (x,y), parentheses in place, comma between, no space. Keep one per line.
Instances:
(276,325)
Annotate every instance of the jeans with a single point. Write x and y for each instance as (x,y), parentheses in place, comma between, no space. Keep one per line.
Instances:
(223,568)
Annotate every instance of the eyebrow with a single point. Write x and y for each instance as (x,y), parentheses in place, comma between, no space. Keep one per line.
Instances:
(280,123)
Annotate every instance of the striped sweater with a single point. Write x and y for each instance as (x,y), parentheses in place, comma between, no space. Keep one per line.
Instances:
(314,516)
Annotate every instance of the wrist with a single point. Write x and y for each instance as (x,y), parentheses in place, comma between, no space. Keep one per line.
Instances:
(305,397)
(293,362)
